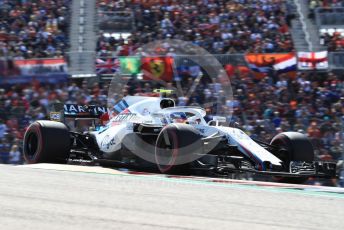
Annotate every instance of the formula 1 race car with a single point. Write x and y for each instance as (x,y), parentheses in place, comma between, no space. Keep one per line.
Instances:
(151,133)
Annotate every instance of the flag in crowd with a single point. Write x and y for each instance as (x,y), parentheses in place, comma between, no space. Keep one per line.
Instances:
(157,68)
(130,65)
(262,64)
(285,63)
(312,60)
(107,66)
(151,67)
(26,70)
(259,64)
(232,69)
(38,67)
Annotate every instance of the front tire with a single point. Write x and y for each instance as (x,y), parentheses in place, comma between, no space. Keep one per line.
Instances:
(176,147)
(46,142)
(297,147)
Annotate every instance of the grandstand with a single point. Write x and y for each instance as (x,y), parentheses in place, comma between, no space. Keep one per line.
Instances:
(28,30)
(218,26)
(40,40)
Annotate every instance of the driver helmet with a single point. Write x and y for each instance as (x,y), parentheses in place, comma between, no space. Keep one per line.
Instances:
(178,117)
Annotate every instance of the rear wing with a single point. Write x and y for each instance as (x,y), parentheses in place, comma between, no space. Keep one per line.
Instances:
(61,111)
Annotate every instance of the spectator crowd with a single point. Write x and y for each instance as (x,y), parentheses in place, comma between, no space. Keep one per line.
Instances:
(34,29)
(333,41)
(332,38)
(325,3)
(216,25)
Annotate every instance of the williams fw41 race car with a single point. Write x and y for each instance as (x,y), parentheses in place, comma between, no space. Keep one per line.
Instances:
(152,134)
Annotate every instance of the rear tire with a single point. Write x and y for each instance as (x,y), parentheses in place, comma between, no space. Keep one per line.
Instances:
(46,142)
(298,148)
(176,147)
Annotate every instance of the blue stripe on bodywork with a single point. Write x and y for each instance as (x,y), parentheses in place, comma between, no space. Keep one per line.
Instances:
(120,106)
(253,157)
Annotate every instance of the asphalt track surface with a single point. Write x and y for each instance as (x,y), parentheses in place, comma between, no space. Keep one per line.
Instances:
(58,197)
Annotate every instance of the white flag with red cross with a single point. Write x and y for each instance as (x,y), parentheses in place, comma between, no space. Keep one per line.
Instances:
(312,60)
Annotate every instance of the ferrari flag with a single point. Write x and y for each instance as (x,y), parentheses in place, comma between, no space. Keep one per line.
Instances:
(312,60)
(157,68)
(130,65)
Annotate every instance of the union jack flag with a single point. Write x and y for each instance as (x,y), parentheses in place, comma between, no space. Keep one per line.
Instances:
(107,66)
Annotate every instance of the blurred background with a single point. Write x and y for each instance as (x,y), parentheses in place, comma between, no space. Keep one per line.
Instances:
(284,58)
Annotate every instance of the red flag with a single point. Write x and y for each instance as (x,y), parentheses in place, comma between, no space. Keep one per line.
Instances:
(157,68)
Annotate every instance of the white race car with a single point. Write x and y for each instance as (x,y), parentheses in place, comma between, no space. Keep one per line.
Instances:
(151,133)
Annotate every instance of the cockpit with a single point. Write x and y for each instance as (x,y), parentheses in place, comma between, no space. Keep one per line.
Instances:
(186,115)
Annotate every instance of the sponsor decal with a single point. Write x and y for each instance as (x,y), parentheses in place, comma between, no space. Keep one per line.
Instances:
(145,112)
(107,142)
(74,109)
(124,117)
(55,116)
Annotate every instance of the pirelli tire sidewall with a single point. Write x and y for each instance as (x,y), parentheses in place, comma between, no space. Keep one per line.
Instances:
(46,142)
